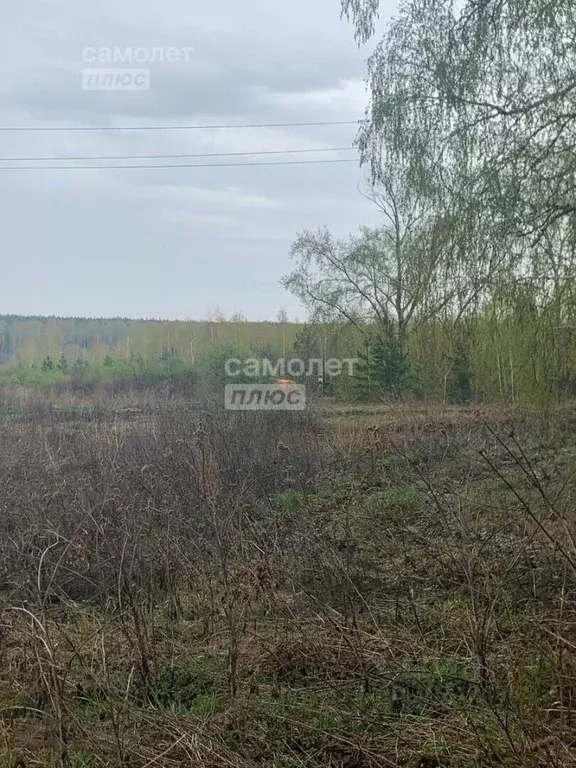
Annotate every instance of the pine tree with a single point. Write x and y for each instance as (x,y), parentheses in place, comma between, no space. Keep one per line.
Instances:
(306,344)
(382,369)
(47,365)
(389,364)
(63,364)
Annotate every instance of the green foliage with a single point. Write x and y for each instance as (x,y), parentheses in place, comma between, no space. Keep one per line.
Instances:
(382,370)
(288,501)
(307,344)
(184,687)
(79,371)
(400,497)
(214,359)
(481,93)
(265,351)
(473,107)
(63,364)
(520,347)
(47,365)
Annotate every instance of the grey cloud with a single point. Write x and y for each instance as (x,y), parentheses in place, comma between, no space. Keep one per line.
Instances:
(219,80)
(172,242)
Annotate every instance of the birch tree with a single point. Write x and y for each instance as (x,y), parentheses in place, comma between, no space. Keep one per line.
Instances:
(480,92)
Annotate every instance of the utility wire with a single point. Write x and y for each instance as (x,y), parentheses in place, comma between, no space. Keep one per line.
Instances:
(176,127)
(151,167)
(167,157)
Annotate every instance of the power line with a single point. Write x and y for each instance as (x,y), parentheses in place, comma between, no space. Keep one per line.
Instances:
(152,167)
(166,157)
(176,127)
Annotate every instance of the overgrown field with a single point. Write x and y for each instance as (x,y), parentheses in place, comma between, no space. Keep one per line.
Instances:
(188,586)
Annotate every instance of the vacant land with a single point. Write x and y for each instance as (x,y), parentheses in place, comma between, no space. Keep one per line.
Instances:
(346,587)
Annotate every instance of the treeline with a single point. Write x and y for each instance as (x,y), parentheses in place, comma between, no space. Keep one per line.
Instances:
(514,351)
(28,341)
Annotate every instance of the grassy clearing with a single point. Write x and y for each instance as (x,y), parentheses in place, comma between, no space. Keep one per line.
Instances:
(188,587)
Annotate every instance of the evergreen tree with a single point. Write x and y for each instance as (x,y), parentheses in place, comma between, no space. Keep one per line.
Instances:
(63,364)
(382,369)
(47,365)
(307,345)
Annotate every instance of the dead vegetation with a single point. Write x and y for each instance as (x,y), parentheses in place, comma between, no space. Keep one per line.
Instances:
(190,586)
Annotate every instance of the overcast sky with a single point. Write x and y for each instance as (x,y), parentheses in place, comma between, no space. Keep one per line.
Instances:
(182,242)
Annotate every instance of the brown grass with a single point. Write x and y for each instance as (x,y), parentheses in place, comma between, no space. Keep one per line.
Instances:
(181,585)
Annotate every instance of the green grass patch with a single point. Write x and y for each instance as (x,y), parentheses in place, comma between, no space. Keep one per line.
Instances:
(404,497)
(288,501)
(186,687)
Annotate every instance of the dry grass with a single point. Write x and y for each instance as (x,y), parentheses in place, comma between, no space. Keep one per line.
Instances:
(185,586)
